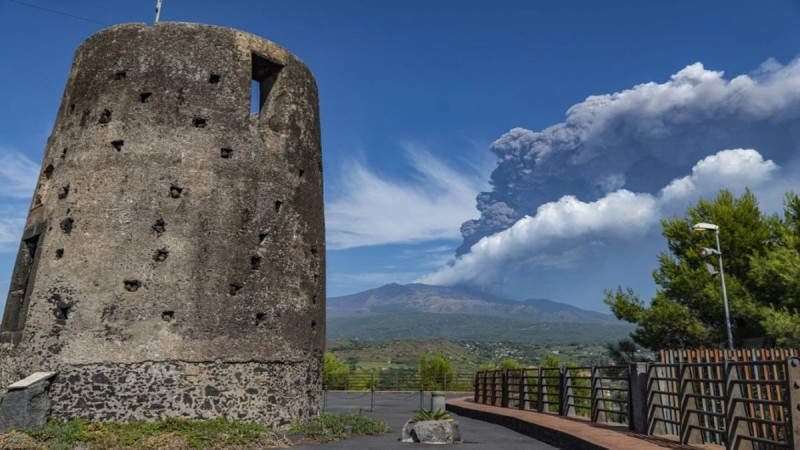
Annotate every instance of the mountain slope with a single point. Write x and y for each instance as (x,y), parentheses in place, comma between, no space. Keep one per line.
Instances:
(420,298)
(470,327)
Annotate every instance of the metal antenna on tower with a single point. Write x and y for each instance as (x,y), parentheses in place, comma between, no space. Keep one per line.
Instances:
(158,11)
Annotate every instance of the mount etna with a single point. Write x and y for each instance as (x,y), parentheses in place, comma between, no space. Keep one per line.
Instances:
(419,311)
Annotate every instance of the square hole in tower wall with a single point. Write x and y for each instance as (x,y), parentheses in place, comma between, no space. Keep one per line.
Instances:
(265,73)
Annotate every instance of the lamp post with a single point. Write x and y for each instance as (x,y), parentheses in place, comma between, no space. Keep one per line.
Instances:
(702,226)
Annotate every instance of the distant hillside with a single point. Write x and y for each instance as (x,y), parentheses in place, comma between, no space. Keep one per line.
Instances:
(472,327)
(466,356)
(420,298)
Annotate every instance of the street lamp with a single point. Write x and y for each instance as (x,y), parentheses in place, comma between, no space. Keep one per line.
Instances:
(701,227)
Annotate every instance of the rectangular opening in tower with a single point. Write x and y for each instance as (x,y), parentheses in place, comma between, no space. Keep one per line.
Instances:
(21,283)
(265,73)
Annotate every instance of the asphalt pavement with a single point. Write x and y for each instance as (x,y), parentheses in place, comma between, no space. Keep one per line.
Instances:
(395,408)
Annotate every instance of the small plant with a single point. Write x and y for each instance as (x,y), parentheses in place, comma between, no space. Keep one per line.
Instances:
(332,427)
(423,415)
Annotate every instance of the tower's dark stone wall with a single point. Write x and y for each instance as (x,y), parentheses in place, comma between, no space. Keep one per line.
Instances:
(173,262)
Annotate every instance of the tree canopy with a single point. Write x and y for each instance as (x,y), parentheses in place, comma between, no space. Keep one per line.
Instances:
(761,259)
(436,372)
(334,372)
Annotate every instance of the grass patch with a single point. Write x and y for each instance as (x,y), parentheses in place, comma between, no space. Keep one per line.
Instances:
(179,434)
(332,427)
(165,434)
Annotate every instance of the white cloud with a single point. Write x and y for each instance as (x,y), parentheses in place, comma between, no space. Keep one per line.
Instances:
(559,231)
(10,232)
(738,167)
(556,224)
(371,209)
(18,174)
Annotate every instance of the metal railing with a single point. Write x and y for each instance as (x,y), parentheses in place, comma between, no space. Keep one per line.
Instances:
(599,393)
(365,381)
(748,405)
(663,399)
(738,404)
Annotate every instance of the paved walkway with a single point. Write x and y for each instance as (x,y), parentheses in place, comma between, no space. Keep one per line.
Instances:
(564,433)
(395,408)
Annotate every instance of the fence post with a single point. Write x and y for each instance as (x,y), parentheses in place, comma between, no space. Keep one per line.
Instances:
(484,387)
(655,400)
(596,412)
(793,390)
(524,403)
(504,389)
(494,388)
(689,434)
(638,389)
(475,388)
(567,408)
(541,391)
(735,410)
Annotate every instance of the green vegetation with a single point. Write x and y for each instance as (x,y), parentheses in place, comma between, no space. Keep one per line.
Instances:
(625,351)
(395,363)
(467,327)
(332,427)
(165,434)
(581,385)
(761,257)
(510,363)
(424,414)
(338,375)
(334,372)
(487,366)
(179,434)
(436,372)
(551,367)
(507,363)
(364,379)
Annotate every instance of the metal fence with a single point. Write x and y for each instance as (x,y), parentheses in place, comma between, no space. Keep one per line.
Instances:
(599,393)
(740,404)
(364,381)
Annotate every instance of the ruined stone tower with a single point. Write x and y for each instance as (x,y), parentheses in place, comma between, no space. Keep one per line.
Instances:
(172,263)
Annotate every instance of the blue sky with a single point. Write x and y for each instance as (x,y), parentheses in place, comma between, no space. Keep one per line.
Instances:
(417,101)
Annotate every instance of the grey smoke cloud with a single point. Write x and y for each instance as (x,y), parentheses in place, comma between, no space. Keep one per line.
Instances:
(640,139)
(560,232)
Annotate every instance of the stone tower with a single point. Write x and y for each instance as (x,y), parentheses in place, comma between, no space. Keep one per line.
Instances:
(172,263)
